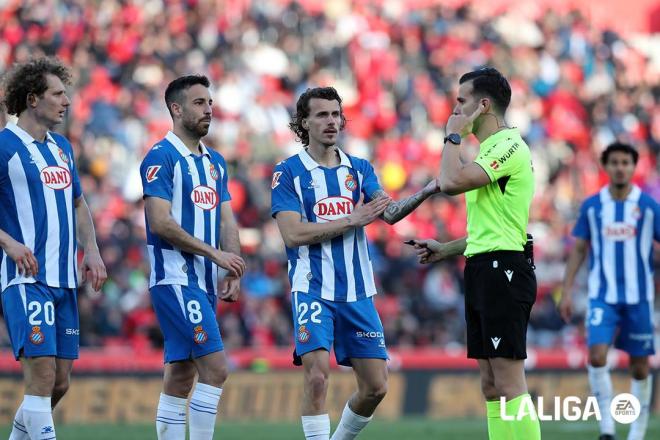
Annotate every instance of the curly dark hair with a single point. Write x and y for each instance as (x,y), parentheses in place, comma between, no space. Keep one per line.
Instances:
(30,78)
(302,110)
(619,147)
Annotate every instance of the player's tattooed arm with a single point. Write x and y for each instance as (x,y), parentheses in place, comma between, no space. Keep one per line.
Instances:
(397,210)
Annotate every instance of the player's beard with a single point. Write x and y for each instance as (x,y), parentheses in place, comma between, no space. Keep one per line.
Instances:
(198,127)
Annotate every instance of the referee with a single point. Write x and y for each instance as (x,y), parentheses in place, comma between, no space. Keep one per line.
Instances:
(500,285)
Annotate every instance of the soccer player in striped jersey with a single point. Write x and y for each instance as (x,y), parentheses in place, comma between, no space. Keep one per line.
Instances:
(617,228)
(44,218)
(322,198)
(189,220)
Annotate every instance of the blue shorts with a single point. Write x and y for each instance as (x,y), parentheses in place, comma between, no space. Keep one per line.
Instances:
(42,320)
(187,319)
(633,322)
(353,327)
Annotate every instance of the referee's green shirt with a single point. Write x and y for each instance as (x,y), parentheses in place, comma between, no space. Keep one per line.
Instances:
(497,213)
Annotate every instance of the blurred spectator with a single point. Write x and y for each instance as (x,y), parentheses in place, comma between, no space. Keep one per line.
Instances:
(575,89)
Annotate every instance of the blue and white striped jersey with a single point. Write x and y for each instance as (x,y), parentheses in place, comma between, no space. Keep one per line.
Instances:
(196,186)
(38,185)
(621,235)
(339,269)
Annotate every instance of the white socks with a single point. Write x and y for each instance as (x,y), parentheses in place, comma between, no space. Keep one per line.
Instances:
(19,431)
(38,417)
(350,425)
(601,388)
(203,409)
(171,418)
(316,427)
(642,390)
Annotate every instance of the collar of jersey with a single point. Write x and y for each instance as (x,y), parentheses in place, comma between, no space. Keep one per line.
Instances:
(310,163)
(181,147)
(633,196)
(24,136)
(496,137)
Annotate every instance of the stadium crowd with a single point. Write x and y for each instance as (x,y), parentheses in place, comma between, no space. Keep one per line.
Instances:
(575,89)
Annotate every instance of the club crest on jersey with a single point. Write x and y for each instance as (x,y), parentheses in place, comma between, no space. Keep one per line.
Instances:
(350,182)
(204,197)
(333,208)
(303,334)
(63,156)
(276,179)
(213,172)
(636,213)
(36,337)
(55,177)
(619,231)
(150,175)
(200,335)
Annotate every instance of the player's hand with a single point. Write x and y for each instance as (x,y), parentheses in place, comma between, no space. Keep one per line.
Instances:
(26,263)
(230,288)
(462,124)
(365,213)
(429,251)
(232,262)
(93,270)
(566,308)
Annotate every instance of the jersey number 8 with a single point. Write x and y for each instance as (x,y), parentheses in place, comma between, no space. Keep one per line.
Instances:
(194,311)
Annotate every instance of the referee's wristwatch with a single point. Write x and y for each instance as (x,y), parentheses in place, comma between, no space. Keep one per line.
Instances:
(454,138)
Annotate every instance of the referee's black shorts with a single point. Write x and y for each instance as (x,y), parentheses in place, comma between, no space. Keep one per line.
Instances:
(500,289)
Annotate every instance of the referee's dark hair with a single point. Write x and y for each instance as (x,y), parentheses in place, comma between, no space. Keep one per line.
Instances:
(175,89)
(489,81)
(302,110)
(621,147)
(28,79)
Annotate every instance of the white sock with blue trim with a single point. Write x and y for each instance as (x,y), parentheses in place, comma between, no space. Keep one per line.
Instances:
(171,418)
(19,431)
(642,390)
(38,417)
(601,388)
(203,409)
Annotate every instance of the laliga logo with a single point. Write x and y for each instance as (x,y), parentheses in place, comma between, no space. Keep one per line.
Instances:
(204,197)
(55,177)
(619,231)
(625,408)
(333,208)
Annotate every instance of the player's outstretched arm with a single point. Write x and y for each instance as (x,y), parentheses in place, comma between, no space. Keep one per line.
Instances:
(297,233)
(399,209)
(575,260)
(163,224)
(430,251)
(92,268)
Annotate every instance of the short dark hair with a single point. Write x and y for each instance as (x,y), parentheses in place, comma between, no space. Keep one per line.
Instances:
(30,78)
(302,110)
(489,81)
(621,147)
(175,89)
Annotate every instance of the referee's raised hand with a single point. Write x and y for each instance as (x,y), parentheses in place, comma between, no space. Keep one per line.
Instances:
(462,124)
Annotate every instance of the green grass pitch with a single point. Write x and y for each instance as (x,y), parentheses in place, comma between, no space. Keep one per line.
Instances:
(379,430)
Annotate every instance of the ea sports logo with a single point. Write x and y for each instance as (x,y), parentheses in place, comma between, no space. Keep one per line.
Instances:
(204,197)
(333,208)
(55,177)
(625,408)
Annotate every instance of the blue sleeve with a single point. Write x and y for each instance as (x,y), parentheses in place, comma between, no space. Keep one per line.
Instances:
(283,192)
(157,174)
(61,141)
(581,228)
(656,221)
(370,182)
(224,191)
(77,188)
